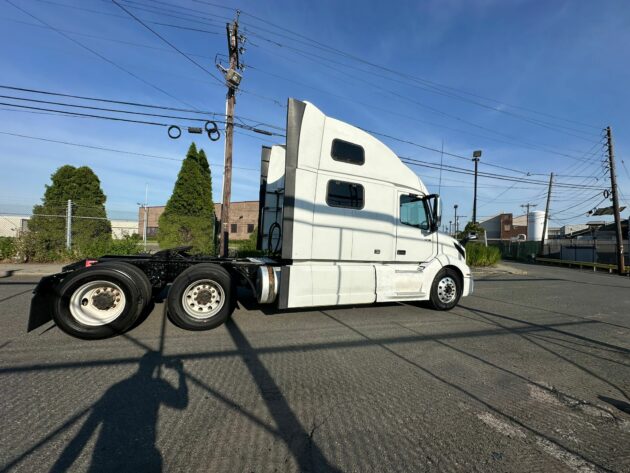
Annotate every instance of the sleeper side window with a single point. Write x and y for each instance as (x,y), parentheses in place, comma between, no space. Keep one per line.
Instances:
(345,194)
(413,212)
(347,152)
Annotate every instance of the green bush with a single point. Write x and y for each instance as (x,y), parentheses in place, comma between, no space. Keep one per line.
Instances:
(7,247)
(128,245)
(478,254)
(27,249)
(245,248)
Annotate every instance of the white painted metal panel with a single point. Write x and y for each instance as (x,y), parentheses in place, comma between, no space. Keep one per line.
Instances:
(331,284)
(400,282)
(303,205)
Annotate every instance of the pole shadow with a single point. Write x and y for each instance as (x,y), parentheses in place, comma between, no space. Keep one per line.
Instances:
(307,454)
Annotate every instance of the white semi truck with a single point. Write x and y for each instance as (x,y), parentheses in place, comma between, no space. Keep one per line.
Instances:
(342,221)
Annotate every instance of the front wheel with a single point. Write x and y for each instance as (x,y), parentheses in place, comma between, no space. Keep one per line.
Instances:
(201,297)
(446,290)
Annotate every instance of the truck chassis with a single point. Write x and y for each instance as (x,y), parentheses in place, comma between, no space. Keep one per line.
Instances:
(100,298)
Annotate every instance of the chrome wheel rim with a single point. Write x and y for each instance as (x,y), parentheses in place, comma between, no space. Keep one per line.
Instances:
(447,290)
(97,303)
(203,299)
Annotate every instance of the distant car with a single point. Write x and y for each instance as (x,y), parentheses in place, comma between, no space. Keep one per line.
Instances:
(519,237)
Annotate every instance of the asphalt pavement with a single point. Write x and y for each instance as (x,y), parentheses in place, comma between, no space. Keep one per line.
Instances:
(531,373)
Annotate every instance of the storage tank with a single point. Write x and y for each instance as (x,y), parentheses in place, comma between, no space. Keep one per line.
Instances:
(535,224)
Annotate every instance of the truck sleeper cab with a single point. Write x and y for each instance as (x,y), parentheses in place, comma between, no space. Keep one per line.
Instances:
(342,221)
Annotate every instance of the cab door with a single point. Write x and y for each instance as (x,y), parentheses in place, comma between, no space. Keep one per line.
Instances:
(414,240)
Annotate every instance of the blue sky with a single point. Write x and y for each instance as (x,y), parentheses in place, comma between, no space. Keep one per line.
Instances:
(531,83)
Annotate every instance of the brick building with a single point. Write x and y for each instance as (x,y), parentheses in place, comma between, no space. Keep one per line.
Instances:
(243,219)
(504,226)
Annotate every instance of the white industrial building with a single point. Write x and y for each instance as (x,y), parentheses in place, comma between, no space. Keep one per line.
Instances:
(14,225)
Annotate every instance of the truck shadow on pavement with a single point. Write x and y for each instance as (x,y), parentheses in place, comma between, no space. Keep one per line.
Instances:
(127,413)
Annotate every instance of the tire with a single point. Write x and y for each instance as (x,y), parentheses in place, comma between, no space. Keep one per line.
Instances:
(201,297)
(79,311)
(138,276)
(446,289)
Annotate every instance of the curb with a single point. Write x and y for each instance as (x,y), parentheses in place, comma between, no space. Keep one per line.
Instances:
(29,272)
(499,268)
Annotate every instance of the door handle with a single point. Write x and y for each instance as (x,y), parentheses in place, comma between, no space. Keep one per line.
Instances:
(401,252)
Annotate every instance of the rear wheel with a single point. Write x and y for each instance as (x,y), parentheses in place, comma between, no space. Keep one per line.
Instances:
(446,289)
(141,279)
(95,303)
(201,297)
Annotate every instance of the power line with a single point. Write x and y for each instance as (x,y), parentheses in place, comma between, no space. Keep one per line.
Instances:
(109,61)
(168,42)
(310,55)
(104,38)
(112,150)
(436,86)
(459,170)
(244,126)
(189,19)
(130,103)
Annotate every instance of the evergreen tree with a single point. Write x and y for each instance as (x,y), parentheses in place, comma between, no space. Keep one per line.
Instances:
(47,227)
(188,218)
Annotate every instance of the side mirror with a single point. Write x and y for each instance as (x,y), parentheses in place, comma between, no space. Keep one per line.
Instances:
(435,207)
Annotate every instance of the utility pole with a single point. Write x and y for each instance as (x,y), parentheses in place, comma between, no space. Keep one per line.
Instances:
(455,207)
(542,240)
(69,226)
(476,156)
(146,216)
(615,202)
(233,79)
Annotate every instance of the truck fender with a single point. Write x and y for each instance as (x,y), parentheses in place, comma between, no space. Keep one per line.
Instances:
(42,301)
(431,268)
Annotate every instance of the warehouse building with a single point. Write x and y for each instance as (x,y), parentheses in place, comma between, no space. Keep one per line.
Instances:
(243,219)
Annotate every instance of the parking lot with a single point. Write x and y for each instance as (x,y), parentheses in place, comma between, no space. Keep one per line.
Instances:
(531,373)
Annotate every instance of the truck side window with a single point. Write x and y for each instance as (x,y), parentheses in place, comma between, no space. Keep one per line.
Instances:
(413,212)
(347,152)
(344,194)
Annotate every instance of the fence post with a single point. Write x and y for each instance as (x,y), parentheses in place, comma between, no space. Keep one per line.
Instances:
(69,226)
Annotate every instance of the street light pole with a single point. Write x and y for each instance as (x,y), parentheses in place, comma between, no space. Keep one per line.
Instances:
(455,206)
(476,156)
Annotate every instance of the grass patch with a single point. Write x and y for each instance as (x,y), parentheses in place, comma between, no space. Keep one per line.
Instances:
(478,254)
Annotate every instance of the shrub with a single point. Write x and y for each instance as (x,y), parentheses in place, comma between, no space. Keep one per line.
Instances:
(188,217)
(245,248)
(125,246)
(7,247)
(478,254)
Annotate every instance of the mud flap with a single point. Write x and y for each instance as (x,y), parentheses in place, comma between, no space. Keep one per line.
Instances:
(41,303)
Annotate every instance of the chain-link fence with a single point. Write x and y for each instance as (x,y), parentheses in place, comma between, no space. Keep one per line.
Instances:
(65,230)
(587,250)
(583,250)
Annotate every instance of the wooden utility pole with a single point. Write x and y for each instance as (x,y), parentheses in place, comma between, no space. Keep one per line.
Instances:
(476,156)
(232,78)
(542,240)
(615,202)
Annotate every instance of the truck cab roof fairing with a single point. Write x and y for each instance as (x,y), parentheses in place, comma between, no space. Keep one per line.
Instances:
(295,114)
(311,137)
(310,134)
